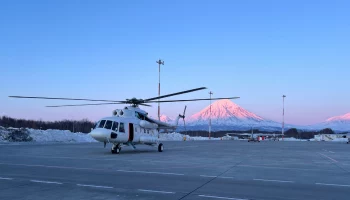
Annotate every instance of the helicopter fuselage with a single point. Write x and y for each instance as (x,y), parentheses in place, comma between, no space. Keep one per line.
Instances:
(129,126)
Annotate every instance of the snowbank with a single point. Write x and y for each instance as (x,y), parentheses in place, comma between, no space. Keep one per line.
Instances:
(180,137)
(28,135)
(293,140)
(173,137)
(59,136)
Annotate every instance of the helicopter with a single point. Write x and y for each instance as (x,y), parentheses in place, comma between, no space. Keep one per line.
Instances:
(130,125)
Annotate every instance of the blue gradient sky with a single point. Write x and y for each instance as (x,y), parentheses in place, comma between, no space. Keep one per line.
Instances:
(257,50)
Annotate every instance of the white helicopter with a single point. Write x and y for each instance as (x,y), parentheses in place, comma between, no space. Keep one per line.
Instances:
(131,125)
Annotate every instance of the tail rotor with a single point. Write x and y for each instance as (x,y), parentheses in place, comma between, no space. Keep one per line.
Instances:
(183,118)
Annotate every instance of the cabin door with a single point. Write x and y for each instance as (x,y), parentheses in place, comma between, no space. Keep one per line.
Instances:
(131,132)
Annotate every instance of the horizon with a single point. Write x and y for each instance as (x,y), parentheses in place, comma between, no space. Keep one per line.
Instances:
(256,50)
(203,109)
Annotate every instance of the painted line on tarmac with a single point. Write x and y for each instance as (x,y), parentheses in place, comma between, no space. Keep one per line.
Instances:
(208,176)
(329,157)
(267,180)
(216,197)
(226,177)
(95,186)
(330,184)
(327,151)
(182,147)
(156,191)
(47,182)
(145,172)
(2,178)
(78,168)
(272,167)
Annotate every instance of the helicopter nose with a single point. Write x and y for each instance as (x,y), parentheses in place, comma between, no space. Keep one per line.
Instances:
(98,135)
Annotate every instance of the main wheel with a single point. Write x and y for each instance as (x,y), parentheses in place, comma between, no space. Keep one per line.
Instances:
(160,147)
(116,150)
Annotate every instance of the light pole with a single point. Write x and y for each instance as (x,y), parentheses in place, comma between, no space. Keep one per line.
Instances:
(160,62)
(284,96)
(210,93)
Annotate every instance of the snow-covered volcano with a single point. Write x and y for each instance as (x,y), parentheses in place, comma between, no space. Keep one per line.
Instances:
(338,123)
(226,114)
(340,119)
(165,119)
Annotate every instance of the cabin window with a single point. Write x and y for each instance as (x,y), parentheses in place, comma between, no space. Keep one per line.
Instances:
(115,126)
(108,124)
(144,130)
(102,124)
(137,115)
(121,128)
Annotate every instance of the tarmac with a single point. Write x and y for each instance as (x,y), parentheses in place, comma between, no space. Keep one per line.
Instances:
(185,170)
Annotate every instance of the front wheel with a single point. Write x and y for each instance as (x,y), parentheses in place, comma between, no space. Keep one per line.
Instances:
(160,147)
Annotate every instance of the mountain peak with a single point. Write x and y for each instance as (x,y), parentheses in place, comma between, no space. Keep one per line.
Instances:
(345,117)
(165,118)
(225,109)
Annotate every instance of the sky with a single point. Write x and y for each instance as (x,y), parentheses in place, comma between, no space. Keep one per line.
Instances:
(257,50)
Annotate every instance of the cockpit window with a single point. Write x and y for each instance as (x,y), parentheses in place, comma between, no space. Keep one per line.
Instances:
(115,126)
(108,124)
(98,123)
(121,128)
(102,123)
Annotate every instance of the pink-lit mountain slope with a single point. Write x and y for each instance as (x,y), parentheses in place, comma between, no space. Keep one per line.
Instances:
(338,123)
(225,113)
(165,119)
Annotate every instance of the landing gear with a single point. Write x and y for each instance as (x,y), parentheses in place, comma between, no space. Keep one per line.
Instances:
(160,147)
(116,149)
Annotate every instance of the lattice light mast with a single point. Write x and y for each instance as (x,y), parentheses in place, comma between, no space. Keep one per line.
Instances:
(210,93)
(160,62)
(284,96)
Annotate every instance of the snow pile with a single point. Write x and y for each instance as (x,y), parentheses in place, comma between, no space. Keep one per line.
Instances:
(205,138)
(59,136)
(292,139)
(28,135)
(3,134)
(15,135)
(180,137)
(174,137)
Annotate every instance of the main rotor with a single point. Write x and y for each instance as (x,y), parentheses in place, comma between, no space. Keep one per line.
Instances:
(133,101)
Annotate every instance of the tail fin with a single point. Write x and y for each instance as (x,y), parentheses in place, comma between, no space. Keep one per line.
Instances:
(180,116)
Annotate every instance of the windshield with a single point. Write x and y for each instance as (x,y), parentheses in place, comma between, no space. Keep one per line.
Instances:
(96,125)
(102,123)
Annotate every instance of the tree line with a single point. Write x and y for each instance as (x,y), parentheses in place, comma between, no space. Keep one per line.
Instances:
(83,126)
(300,134)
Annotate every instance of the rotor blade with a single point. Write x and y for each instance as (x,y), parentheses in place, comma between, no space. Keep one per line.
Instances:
(184,112)
(59,98)
(89,104)
(143,104)
(173,94)
(168,101)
